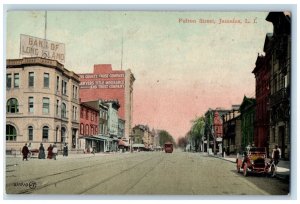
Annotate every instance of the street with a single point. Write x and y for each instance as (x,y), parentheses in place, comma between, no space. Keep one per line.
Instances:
(142,173)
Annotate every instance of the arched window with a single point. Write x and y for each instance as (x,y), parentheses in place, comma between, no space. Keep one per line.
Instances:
(81,129)
(45,133)
(63,110)
(86,130)
(12,105)
(92,130)
(30,133)
(11,133)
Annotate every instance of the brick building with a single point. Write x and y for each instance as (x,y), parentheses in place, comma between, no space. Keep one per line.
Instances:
(107,84)
(262,72)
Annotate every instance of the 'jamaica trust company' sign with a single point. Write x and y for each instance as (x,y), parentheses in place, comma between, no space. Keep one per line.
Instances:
(37,47)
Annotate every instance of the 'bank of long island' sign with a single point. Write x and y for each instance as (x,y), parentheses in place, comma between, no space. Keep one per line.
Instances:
(37,47)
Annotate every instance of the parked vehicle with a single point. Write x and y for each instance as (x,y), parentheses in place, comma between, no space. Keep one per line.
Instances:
(168,147)
(255,160)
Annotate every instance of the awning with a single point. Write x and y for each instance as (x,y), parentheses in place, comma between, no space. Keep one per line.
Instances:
(98,137)
(122,143)
(138,145)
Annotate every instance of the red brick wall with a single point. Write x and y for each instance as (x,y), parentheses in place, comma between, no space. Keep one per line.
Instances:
(88,121)
(92,91)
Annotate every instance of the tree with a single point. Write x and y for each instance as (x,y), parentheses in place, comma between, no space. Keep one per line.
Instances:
(182,142)
(197,131)
(164,137)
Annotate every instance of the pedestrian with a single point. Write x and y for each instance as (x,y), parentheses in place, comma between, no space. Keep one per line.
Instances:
(25,152)
(248,148)
(65,152)
(54,151)
(29,149)
(42,152)
(50,148)
(276,155)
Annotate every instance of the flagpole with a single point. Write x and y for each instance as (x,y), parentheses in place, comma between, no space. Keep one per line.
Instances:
(122,54)
(45,25)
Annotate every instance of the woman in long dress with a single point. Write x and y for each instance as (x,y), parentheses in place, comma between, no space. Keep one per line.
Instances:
(42,152)
(50,148)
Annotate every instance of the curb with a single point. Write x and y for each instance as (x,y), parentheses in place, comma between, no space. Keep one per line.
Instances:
(283,177)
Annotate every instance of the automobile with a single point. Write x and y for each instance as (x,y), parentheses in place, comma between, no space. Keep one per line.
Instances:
(255,160)
(168,147)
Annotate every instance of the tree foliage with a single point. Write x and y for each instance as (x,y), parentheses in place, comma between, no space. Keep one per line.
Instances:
(182,142)
(197,131)
(164,137)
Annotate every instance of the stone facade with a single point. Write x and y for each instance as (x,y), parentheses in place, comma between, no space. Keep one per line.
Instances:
(42,104)
(280,81)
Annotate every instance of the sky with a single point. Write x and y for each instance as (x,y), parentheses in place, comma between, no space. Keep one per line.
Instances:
(182,67)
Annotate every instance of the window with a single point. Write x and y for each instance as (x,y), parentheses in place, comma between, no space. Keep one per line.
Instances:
(31,79)
(30,105)
(74,113)
(86,129)
(8,81)
(12,106)
(46,80)
(81,113)
(57,83)
(92,116)
(16,80)
(45,132)
(30,133)
(81,129)
(63,110)
(74,92)
(87,115)
(64,87)
(101,128)
(92,130)
(46,105)
(11,133)
(57,104)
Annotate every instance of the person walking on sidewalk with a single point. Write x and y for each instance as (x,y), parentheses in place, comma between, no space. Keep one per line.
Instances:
(65,152)
(42,152)
(276,155)
(50,148)
(25,152)
(54,151)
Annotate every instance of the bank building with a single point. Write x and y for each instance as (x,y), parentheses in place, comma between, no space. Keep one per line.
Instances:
(42,104)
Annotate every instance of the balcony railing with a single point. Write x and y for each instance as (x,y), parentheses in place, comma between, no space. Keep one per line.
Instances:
(279,96)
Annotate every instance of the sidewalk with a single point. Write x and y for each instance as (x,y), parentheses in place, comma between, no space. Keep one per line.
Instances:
(283,168)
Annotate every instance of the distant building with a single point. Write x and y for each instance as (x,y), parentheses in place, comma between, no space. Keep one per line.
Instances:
(280,81)
(113,123)
(108,84)
(247,110)
(89,125)
(232,130)
(214,129)
(143,137)
(262,72)
(42,104)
